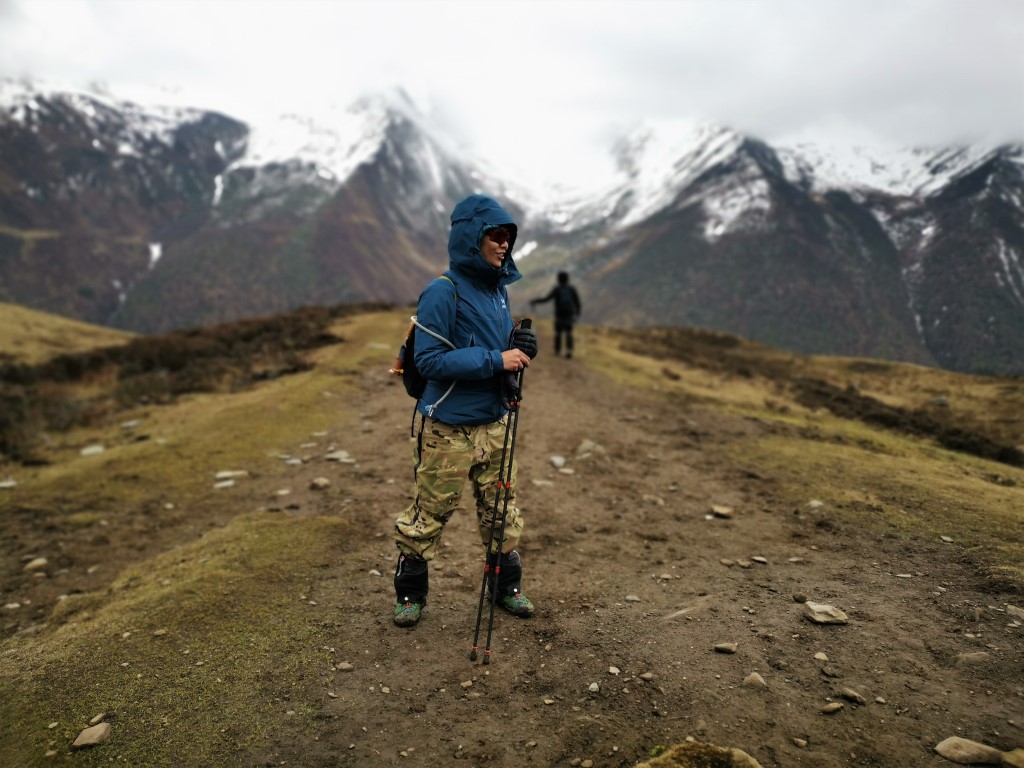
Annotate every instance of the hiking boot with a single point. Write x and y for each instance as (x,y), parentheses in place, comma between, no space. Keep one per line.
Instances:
(517,604)
(407,613)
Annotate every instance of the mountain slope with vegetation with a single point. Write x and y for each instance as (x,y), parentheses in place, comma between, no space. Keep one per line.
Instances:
(179,569)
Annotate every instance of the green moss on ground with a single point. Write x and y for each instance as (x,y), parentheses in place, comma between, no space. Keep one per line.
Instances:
(178,653)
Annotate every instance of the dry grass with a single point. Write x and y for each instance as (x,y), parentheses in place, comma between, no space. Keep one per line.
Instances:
(232,610)
(232,599)
(27,336)
(885,480)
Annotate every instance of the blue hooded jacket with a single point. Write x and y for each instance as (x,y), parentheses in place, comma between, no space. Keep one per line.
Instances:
(473,314)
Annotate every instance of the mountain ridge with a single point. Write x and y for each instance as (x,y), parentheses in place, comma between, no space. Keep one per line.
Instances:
(245,223)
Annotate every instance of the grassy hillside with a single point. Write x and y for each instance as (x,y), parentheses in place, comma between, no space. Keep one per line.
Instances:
(186,614)
(28,336)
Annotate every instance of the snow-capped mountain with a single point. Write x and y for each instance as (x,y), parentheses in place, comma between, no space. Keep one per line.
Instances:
(914,255)
(151,218)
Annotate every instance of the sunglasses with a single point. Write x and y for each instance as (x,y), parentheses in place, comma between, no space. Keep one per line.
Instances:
(498,236)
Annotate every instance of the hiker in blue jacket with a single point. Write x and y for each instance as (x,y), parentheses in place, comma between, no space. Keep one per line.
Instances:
(462,428)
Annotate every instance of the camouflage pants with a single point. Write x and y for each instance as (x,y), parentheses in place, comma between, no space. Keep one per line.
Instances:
(447,457)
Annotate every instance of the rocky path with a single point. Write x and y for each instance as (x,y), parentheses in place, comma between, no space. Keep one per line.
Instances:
(644,555)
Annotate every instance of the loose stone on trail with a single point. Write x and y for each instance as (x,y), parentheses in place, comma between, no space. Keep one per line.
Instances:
(820,613)
(92,736)
(343,457)
(754,680)
(719,510)
(968,752)
(230,474)
(726,647)
(852,695)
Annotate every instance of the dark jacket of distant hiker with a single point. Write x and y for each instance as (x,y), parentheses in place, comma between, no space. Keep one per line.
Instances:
(567,300)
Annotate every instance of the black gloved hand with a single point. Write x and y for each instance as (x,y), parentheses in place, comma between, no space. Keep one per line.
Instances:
(509,383)
(525,340)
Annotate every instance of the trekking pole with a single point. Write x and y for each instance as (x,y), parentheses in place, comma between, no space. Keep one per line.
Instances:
(504,491)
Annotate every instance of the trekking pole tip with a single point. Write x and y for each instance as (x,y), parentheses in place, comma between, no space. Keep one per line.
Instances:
(472,655)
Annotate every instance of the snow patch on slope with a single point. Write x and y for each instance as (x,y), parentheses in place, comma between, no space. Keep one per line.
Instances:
(898,171)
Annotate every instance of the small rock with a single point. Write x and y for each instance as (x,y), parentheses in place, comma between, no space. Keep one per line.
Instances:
(800,742)
(98,719)
(92,450)
(821,613)
(224,484)
(761,560)
(594,687)
(614,670)
(159,632)
(557,461)
(647,676)
(754,680)
(96,734)
(229,474)
(632,599)
(832,707)
(466,683)
(650,498)
(726,647)
(319,484)
(852,695)
(968,752)
(977,657)
(947,539)
(1013,759)
(1013,610)
(36,564)
(341,456)
(800,597)
(821,656)
(6,484)
(588,447)
(345,667)
(719,510)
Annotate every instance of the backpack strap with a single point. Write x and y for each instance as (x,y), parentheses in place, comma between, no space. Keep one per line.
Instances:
(439,337)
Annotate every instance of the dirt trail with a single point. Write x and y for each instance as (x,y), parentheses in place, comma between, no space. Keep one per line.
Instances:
(626,572)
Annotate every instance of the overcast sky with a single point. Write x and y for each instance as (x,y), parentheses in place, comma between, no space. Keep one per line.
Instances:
(543,85)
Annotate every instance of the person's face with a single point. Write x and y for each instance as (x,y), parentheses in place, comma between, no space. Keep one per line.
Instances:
(494,245)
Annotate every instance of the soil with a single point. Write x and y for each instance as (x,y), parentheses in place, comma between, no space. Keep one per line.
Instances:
(635,581)
(632,592)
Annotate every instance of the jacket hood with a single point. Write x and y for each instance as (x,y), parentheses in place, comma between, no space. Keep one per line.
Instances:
(471,218)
